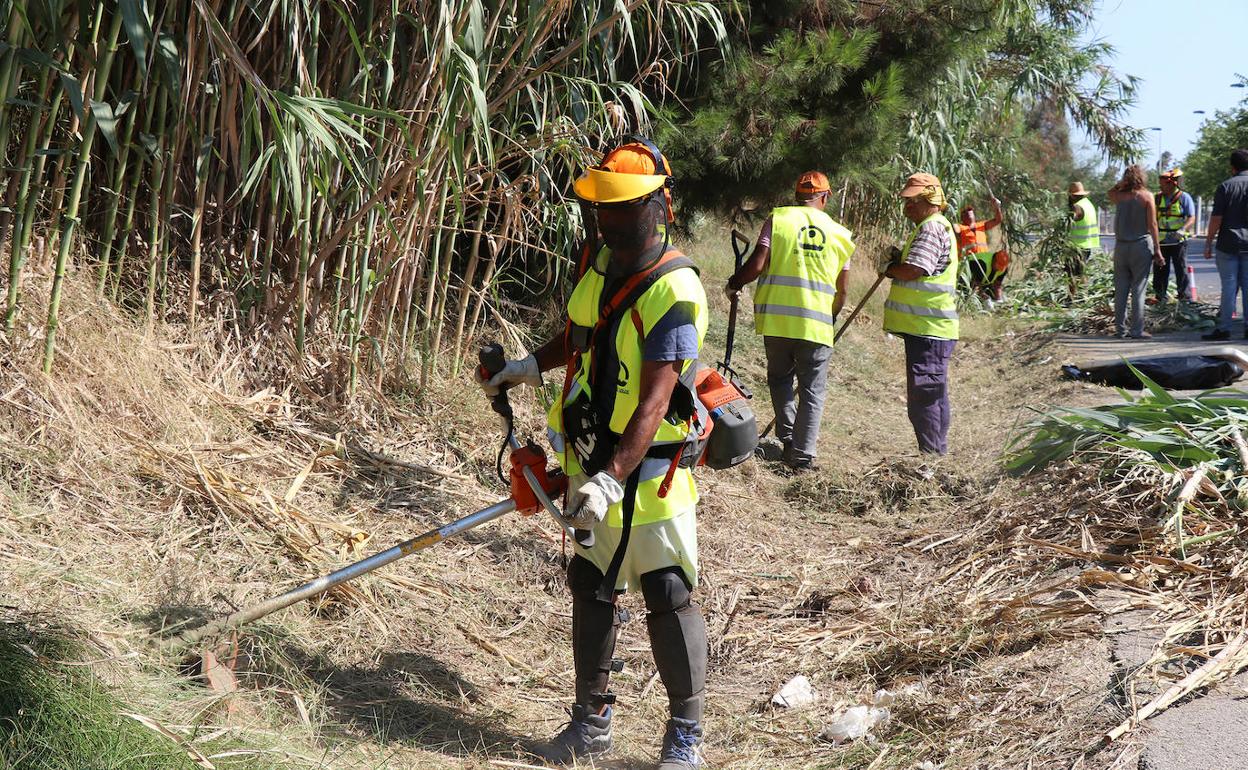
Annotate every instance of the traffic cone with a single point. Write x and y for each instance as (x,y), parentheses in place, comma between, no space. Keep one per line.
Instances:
(1191,282)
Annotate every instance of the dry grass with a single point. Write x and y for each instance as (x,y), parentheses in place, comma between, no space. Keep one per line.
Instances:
(150,484)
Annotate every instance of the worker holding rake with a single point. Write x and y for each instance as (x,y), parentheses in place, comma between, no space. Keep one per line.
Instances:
(922,309)
(624,430)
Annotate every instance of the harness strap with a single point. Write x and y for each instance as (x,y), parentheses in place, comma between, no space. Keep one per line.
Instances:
(606,589)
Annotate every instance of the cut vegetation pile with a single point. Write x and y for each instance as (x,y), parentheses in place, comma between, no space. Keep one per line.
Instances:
(1160,528)
(1044,295)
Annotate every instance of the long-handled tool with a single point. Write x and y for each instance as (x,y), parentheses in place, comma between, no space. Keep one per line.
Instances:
(740,246)
(844,326)
(532,487)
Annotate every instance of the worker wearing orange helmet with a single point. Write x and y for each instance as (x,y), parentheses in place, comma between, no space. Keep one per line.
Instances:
(801,261)
(1176,218)
(623,428)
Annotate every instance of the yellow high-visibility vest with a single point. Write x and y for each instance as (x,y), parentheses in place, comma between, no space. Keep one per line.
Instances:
(928,306)
(796,292)
(1085,233)
(679,286)
(1170,218)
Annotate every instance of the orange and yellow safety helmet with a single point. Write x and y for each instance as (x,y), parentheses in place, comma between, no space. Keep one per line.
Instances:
(627,175)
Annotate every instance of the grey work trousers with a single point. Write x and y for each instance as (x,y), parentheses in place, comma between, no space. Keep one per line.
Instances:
(797,412)
(1133,261)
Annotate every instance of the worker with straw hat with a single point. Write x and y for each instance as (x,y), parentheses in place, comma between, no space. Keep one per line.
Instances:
(623,428)
(1176,216)
(801,261)
(1085,232)
(922,309)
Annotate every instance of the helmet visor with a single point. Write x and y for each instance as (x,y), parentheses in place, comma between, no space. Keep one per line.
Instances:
(604,187)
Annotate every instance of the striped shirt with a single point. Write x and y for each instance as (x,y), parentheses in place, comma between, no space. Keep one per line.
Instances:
(930,250)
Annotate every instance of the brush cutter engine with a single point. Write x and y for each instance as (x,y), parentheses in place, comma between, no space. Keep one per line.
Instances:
(552,480)
(733,432)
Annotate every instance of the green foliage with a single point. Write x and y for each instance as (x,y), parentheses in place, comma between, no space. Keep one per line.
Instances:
(1156,430)
(870,95)
(351,180)
(56,715)
(1209,161)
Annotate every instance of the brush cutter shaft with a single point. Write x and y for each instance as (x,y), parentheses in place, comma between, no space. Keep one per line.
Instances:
(352,571)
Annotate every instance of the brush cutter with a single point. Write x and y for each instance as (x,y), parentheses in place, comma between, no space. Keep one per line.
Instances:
(532,486)
(839,332)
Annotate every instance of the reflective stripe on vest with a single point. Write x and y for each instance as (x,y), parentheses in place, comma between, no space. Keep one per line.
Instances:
(1170,218)
(679,286)
(1086,233)
(796,294)
(926,307)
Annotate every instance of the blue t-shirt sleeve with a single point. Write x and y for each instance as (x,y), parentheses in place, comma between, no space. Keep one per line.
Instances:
(1187,206)
(674,337)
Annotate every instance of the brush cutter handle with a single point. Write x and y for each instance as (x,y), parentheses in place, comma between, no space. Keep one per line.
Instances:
(492,362)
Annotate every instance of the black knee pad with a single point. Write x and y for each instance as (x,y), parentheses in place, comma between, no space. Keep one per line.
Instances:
(666,590)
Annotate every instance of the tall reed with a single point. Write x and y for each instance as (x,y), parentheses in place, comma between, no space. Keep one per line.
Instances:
(350,178)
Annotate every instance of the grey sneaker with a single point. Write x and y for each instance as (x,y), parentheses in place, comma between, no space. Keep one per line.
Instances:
(585,734)
(680,745)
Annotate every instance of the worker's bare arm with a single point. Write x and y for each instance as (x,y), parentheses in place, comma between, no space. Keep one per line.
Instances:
(553,353)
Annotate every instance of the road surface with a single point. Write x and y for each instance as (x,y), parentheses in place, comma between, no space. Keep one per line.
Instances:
(1208,286)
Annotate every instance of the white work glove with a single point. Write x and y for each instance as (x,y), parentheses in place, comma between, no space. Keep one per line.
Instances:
(730,292)
(589,499)
(523,371)
(892,257)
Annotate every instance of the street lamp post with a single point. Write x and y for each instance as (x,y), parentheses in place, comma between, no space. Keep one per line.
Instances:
(1158,130)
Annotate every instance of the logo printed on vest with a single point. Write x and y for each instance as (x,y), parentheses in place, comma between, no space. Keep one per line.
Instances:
(623,376)
(811,238)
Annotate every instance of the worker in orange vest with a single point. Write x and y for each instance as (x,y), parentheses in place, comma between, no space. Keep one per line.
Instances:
(987,268)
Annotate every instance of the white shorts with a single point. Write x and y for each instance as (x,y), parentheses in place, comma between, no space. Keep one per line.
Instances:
(669,543)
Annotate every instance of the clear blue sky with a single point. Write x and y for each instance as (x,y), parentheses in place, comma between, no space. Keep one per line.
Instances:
(1186,54)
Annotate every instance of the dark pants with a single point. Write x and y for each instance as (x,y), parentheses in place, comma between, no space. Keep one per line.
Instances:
(677,637)
(797,417)
(927,390)
(1175,255)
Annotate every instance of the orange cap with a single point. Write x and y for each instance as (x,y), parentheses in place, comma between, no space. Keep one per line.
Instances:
(812,183)
(922,185)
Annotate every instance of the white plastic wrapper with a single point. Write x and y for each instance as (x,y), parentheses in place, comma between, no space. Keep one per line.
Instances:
(855,722)
(797,692)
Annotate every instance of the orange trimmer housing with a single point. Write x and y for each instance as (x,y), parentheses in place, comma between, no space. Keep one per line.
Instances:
(552,480)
